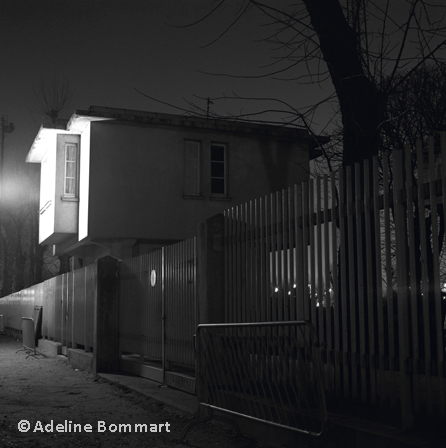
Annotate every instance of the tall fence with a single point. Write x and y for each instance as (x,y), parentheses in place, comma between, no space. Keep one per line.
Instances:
(68,308)
(358,254)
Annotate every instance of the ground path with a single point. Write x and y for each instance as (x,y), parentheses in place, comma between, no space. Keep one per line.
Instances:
(45,392)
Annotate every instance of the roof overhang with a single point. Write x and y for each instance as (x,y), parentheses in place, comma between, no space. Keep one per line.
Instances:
(47,135)
(81,119)
(44,139)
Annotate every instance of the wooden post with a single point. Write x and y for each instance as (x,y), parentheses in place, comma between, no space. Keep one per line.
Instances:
(210,271)
(106,317)
(402,289)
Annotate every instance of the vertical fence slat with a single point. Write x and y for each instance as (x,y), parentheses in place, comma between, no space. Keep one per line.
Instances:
(299,278)
(328,309)
(371,233)
(264,254)
(402,288)
(335,219)
(439,322)
(435,250)
(424,278)
(415,322)
(343,291)
(305,244)
(442,365)
(380,355)
(351,283)
(389,282)
(312,256)
(291,302)
(361,260)
(319,263)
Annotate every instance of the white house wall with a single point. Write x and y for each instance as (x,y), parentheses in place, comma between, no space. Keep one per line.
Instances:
(84,182)
(66,218)
(136,179)
(47,193)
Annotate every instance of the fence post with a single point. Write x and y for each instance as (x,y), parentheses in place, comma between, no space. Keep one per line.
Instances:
(210,271)
(402,288)
(106,316)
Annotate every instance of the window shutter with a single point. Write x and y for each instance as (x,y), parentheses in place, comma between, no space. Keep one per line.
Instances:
(191,168)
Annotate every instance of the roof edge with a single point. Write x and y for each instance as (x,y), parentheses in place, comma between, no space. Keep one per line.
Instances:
(157,118)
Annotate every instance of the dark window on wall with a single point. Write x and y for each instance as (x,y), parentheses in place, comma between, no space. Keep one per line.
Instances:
(71,170)
(218,169)
(192,151)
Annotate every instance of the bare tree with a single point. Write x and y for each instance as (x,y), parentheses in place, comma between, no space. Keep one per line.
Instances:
(360,51)
(52,97)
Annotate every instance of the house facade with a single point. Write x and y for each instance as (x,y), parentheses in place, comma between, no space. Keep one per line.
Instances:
(121,183)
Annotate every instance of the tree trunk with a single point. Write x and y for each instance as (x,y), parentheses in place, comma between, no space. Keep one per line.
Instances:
(360,101)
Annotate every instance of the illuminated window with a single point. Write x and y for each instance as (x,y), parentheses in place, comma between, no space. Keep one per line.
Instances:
(218,169)
(192,168)
(71,170)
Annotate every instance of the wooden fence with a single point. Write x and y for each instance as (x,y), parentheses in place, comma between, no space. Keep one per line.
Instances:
(360,257)
(68,308)
(357,253)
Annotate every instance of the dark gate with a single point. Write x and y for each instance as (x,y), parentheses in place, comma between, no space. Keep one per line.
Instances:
(157,309)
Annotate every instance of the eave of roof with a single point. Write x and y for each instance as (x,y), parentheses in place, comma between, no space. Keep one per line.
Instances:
(222,125)
(80,119)
(42,141)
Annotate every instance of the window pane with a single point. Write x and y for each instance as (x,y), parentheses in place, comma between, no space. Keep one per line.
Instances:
(71,169)
(217,186)
(71,153)
(217,169)
(70,186)
(218,153)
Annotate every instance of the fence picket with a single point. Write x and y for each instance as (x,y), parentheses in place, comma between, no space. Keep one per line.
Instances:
(361,260)
(301,290)
(413,281)
(335,214)
(389,283)
(439,320)
(424,278)
(327,290)
(371,233)
(402,288)
(343,290)
(351,285)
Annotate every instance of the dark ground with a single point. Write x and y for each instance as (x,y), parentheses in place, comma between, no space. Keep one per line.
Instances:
(47,391)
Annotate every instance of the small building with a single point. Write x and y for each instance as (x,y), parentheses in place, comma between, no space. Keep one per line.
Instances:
(122,182)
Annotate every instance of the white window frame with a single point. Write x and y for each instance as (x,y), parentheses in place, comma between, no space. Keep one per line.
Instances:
(75,193)
(225,169)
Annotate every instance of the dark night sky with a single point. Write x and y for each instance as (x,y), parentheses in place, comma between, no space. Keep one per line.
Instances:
(109,47)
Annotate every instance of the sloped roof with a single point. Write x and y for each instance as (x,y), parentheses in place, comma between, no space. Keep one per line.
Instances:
(223,125)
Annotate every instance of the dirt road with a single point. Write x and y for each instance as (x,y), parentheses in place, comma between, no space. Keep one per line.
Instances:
(46,403)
